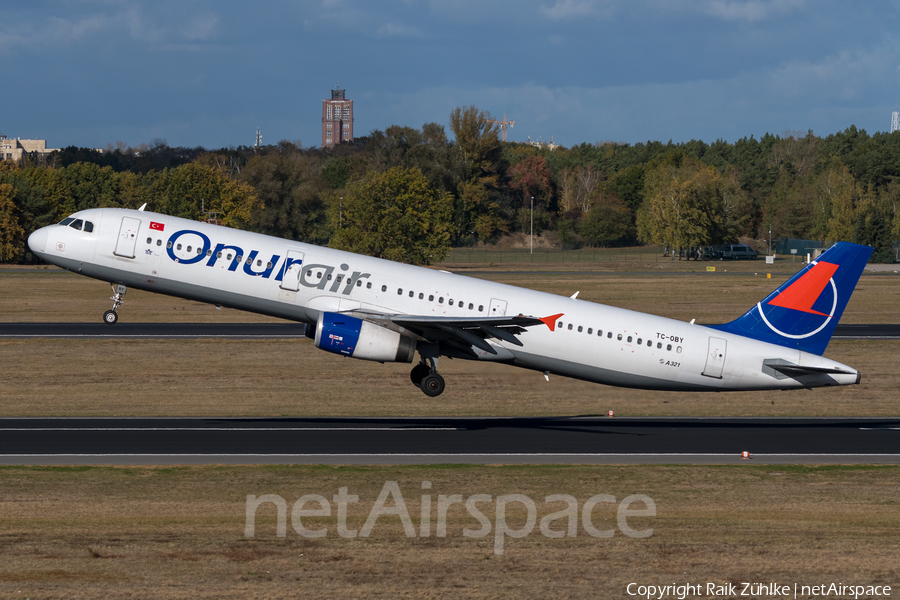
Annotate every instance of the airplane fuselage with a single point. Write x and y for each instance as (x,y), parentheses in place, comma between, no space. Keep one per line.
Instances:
(299,282)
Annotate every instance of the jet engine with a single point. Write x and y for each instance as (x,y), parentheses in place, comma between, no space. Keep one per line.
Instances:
(349,336)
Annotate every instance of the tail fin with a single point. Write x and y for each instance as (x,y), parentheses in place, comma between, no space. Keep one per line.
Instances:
(803,312)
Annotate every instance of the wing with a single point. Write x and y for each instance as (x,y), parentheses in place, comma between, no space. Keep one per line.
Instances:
(459,334)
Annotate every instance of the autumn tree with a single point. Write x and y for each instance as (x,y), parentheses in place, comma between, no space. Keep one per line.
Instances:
(12,236)
(690,205)
(395,215)
(477,140)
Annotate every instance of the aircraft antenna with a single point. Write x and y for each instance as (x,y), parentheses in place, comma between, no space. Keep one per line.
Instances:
(212,216)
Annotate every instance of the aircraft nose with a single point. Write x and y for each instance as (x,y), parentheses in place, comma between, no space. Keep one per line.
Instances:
(37,241)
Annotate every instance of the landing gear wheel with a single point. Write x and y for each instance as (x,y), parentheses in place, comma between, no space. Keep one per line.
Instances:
(111,316)
(418,373)
(432,384)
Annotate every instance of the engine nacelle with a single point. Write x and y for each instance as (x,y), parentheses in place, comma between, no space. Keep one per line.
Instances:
(349,336)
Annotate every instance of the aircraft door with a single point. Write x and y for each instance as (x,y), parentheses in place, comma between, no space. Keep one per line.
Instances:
(291,279)
(127,237)
(498,308)
(715,359)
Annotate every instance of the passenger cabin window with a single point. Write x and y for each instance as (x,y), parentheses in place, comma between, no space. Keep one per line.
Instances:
(431,297)
(384,288)
(579,329)
(441,300)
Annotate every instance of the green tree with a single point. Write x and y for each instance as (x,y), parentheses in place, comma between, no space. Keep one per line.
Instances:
(873,227)
(690,205)
(609,222)
(476,139)
(395,215)
(844,196)
(12,236)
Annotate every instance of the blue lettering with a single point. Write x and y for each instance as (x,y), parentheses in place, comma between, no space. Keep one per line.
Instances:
(248,266)
(170,247)
(287,263)
(238,253)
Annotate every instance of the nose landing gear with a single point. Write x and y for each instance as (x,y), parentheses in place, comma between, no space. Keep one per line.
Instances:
(110,317)
(425,376)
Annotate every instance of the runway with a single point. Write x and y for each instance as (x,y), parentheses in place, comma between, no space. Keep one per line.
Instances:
(276,330)
(549,440)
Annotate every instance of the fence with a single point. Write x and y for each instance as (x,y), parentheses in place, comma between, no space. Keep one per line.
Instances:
(478,255)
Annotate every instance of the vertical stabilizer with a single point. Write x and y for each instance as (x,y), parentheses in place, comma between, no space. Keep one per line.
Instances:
(804,311)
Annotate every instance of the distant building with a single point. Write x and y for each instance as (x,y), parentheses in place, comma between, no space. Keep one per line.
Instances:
(337,119)
(541,143)
(16,149)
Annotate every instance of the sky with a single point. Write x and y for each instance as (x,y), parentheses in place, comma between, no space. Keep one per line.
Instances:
(210,72)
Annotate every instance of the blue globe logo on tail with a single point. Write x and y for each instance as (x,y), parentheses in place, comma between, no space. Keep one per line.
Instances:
(814,294)
(803,312)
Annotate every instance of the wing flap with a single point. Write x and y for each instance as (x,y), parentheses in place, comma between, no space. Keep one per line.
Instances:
(459,333)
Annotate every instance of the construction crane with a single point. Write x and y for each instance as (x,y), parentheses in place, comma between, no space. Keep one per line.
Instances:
(503,124)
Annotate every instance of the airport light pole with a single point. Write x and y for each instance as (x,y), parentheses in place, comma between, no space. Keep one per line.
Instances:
(770,239)
(532,225)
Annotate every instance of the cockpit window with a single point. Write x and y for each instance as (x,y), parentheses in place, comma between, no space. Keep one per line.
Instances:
(88,227)
(67,220)
(76,224)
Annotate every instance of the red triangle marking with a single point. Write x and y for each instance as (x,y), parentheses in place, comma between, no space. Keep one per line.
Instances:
(551,321)
(803,293)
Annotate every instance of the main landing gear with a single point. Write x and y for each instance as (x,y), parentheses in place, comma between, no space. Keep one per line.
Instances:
(425,376)
(110,317)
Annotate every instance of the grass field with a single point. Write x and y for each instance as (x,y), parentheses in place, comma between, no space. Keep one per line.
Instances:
(179,532)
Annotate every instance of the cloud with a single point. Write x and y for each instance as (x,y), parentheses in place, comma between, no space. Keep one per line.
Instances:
(389,30)
(751,11)
(826,95)
(108,21)
(578,9)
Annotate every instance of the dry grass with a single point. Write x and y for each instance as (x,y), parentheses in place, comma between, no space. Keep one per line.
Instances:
(291,378)
(179,532)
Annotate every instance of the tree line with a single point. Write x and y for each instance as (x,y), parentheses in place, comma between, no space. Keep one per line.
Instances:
(410,194)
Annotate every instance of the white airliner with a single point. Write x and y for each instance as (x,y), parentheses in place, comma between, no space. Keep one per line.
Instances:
(383,311)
